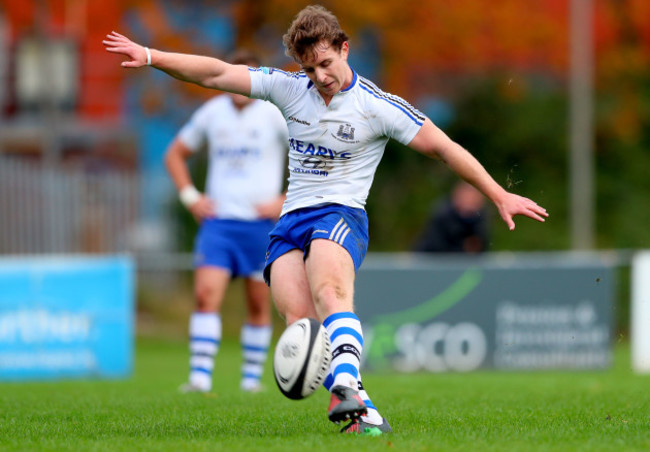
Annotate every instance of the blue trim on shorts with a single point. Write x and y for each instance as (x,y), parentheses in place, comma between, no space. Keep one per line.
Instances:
(347,226)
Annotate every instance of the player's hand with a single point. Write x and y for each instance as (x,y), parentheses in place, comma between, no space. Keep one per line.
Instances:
(271,209)
(203,208)
(117,43)
(512,205)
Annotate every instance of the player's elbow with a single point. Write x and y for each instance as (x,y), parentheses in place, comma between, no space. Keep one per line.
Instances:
(221,76)
(174,154)
(434,153)
(212,82)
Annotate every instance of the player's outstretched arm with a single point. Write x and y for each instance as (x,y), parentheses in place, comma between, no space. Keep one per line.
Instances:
(204,71)
(434,143)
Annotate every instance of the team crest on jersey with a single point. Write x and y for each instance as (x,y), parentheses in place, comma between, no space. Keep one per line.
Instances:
(346,131)
(345,134)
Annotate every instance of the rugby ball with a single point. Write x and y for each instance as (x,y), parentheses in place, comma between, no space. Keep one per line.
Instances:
(302,358)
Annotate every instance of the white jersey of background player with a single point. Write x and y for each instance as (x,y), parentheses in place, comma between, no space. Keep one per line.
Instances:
(315,251)
(246,141)
(246,154)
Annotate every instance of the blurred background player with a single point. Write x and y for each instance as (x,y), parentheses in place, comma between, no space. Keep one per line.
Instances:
(458,224)
(247,142)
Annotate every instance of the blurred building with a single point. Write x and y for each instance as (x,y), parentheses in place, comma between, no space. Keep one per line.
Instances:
(81,143)
(67,161)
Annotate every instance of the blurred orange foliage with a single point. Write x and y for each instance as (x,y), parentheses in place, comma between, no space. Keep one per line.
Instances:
(420,41)
(424,45)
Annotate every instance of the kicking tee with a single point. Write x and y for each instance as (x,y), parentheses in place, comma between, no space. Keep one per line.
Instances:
(334,149)
(246,151)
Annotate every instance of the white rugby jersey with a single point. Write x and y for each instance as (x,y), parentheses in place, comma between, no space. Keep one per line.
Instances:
(246,149)
(334,150)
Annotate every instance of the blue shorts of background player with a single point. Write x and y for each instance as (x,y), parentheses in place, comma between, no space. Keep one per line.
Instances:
(347,226)
(237,246)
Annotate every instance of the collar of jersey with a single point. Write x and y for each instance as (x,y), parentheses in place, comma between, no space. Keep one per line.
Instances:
(354,82)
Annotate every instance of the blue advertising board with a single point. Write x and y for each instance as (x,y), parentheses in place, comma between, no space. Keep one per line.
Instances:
(66,317)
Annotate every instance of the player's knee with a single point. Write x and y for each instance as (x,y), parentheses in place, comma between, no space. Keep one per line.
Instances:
(259,306)
(294,312)
(203,295)
(330,294)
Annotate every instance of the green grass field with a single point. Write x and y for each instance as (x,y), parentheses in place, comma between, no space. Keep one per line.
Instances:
(588,411)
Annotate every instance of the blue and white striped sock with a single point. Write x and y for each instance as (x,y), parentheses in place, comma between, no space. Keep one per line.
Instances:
(255,341)
(205,337)
(345,334)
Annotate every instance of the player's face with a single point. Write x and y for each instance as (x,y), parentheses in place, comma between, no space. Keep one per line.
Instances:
(328,68)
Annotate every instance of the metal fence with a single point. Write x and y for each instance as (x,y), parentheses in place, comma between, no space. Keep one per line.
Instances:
(65,209)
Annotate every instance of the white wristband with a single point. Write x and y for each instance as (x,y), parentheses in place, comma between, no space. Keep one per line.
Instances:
(189,195)
(146,49)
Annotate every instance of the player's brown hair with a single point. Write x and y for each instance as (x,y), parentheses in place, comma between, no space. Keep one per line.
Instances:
(312,25)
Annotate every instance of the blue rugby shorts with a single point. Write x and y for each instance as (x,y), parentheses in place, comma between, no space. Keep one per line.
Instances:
(347,226)
(237,246)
